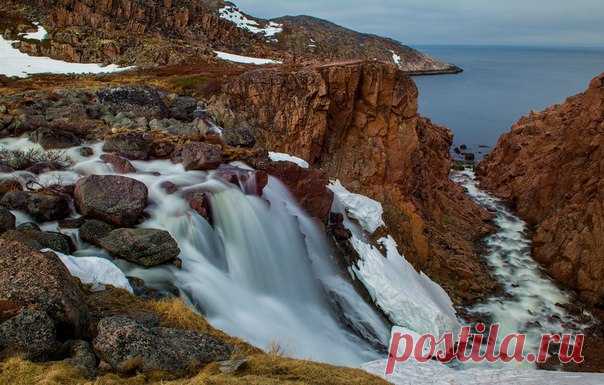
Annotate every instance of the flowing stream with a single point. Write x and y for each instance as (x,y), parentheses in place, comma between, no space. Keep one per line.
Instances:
(263,271)
(531,302)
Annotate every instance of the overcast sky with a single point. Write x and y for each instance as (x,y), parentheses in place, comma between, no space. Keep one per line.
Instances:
(416,22)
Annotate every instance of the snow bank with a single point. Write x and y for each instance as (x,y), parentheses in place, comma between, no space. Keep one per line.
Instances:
(281,157)
(365,210)
(409,299)
(435,373)
(244,59)
(234,15)
(94,270)
(16,63)
(39,35)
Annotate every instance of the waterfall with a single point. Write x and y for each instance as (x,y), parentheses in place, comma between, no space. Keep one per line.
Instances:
(262,271)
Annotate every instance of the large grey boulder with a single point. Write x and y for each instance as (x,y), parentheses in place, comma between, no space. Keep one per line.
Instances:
(129,346)
(92,231)
(31,335)
(29,277)
(50,138)
(40,240)
(111,198)
(146,247)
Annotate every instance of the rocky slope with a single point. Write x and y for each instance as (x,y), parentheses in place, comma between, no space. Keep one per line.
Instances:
(176,31)
(550,167)
(359,123)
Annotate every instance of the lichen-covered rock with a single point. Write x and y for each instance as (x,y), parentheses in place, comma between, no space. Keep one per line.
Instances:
(183,108)
(92,231)
(28,277)
(132,145)
(129,347)
(119,164)
(81,356)
(111,198)
(50,138)
(201,156)
(140,101)
(239,137)
(31,335)
(40,205)
(146,247)
(40,240)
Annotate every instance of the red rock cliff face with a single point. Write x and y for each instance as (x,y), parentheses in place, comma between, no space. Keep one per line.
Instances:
(551,168)
(360,124)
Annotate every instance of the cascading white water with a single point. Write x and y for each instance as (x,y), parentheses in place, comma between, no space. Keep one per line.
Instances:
(532,303)
(263,271)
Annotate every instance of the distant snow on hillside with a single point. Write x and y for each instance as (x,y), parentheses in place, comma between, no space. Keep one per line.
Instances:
(396,58)
(244,59)
(234,15)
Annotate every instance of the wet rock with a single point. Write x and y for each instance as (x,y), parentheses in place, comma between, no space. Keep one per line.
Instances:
(119,164)
(239,137)
(131,145)
(307,185)
(169,187)
(7,220)
(142,290)
(41,206)
(30,334)
(29,226)
(44,167)
(86,152)
(5,168)
(53,138)
(162,150)
(183,108)
(128,346)
(40,240)
(469,157)
(146,247)
(71,223)
(111,198)
(200,202)
(92,231)
(81,356)
(28,277)
(201,156)
(9,185)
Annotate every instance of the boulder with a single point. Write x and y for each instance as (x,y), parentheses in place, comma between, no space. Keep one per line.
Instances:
(9,185)
(29,226)
(162,149)
(7,220)
(201,156)
(43,167)
(183,108)
(86,152)
(31,335)
(200,202)
(50,138)
(92,231)
(42,206)
(239,137)
(141,101)
(111,198)
(146,247)
(119,164)
(131,145)
(81,356)
(40,240)
(28,277)
(128,346)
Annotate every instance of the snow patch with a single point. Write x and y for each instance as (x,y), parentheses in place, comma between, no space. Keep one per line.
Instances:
(244,59)
(234,15)
(435,373)
(366,211)
(16,63)
(396,58)
(39,35)
(409,299)
(94,270)
(281,157)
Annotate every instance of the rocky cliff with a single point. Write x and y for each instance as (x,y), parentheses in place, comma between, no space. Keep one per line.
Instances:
(550,167)
(155,32)
(359,123)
